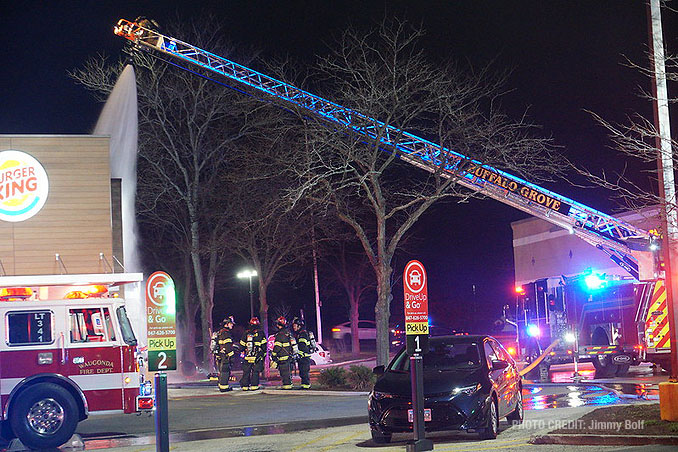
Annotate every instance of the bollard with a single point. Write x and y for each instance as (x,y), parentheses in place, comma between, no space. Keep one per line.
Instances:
(420,442)
(161,413)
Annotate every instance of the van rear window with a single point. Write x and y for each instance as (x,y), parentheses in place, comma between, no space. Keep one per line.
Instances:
(29,328)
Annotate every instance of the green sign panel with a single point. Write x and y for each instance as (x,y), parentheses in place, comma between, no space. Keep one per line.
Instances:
(161,322)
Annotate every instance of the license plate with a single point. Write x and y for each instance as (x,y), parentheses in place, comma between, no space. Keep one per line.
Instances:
(427,415)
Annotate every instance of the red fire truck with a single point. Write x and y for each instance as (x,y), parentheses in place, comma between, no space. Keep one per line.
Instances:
(68,350)
(611,322)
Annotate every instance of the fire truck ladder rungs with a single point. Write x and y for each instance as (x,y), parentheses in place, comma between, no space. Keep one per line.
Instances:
(597,228)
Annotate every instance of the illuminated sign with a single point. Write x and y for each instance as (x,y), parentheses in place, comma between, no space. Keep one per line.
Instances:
(161,322)
(513,186)
(23,186)
(416,298)
(415,286)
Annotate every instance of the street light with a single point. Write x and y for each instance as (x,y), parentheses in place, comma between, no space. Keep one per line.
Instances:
(249,274)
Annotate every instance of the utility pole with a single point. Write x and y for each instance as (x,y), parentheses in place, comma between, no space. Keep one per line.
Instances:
(317,291)
(668,391)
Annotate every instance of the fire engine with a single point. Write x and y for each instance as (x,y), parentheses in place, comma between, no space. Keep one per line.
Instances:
(612,322)
(629,247)
(68,350)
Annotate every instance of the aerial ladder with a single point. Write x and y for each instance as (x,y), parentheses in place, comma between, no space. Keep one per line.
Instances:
(611,235)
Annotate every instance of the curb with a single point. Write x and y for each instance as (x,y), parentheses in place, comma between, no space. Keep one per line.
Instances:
(604,440)
(237,392)
(312,392)
(226,432)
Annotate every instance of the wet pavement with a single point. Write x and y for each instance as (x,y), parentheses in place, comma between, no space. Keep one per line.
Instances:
(256,417)
(536,396)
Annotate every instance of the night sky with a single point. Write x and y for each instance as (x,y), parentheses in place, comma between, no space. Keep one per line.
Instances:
(567,57)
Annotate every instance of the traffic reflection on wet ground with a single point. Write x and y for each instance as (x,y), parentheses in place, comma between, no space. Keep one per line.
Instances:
(541,397)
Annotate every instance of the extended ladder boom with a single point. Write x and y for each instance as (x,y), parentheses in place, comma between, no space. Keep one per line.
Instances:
(597,228)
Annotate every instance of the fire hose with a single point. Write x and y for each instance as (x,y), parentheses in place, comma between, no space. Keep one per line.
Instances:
(536,362)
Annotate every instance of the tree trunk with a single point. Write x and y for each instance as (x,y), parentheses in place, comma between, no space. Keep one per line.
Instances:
(355,335)
(263,307)
(189,310)
(263,318)
(205,301)
(382,312)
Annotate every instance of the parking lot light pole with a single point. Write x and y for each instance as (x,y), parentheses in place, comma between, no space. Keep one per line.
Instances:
(249,274)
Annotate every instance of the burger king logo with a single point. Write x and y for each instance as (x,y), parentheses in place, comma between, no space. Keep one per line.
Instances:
(23,186)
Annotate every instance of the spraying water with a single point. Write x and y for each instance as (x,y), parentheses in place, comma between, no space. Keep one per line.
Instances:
(119,120)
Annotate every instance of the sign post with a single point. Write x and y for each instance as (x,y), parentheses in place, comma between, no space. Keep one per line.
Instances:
(162,347)
(415,286)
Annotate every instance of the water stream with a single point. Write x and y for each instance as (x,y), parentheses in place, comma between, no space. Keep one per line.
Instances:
(119,120)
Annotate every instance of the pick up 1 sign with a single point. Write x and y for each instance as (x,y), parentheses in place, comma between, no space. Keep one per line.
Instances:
(161,322)
(416,307)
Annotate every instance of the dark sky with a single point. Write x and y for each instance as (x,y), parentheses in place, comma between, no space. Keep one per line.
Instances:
(567,57)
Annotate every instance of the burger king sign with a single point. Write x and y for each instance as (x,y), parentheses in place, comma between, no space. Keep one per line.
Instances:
(23,186)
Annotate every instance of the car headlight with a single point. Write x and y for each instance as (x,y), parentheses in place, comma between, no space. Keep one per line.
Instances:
(376,395)
(466,390)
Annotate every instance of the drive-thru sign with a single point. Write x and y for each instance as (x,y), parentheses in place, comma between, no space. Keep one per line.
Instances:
(416,307)
(415,285)
(161,321)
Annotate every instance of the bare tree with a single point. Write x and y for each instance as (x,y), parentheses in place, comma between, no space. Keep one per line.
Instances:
(353,272)
(384,75)
(263,228)
(189,130)
(636,140)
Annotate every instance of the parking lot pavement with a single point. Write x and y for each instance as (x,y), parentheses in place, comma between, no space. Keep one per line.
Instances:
(357,437)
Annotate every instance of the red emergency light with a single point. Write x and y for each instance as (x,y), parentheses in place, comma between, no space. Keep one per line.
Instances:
(15,293)
(145,403)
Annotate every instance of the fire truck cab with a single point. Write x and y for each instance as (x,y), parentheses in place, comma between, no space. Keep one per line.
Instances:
(67,350)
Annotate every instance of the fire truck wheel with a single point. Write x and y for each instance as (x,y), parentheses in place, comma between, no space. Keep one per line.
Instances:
(604,366)
(622,370)
(44,416)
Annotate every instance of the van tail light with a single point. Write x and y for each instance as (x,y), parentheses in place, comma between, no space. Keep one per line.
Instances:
(144,403)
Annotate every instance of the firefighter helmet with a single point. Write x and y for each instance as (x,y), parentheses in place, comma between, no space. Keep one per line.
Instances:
(254,321)
(228,320)
(298,321)
(281,322)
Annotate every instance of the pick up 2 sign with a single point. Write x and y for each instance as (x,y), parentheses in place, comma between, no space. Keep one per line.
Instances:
(161,322)
(415,285)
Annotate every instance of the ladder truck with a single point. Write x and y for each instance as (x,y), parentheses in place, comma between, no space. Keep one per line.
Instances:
(621,241)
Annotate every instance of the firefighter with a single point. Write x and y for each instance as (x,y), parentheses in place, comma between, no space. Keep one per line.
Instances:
(214,348)
(226,352)
(253,344)
(306,344)
(284,350)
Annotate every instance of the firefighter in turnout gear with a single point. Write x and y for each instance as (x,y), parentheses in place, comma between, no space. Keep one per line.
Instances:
(214,348)
(226,351)
(284,350)
(253,344)
(306,344)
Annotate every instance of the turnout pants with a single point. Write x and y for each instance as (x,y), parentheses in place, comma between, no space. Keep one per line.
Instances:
(285,374)
(250,375)
(304,372)
(224,373)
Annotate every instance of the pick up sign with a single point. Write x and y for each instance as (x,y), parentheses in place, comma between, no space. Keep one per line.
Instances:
(415,285)
(161,322)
